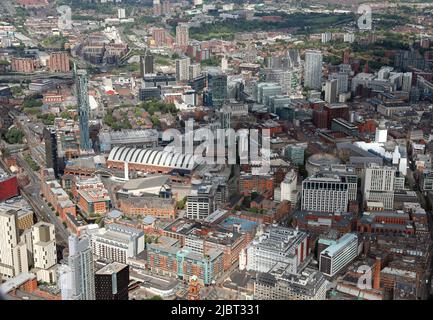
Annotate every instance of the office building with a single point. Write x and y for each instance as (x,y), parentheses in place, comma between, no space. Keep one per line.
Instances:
(117,243)
(182,69)
(296,153)
(146,64)
(217,87)
(51,154)
(313,69)
(13,251)
(83,106)
(342,81)
(194,71)
(111,282)
(337,256)
(169,260)
(275,244)
(378,185)
(201,201)
(288,187)
(281,285)
(325,192)
(331,90)
(346,171)
(77,277)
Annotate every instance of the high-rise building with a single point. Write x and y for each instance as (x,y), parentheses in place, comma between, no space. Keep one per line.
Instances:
(313,69)
(288,187)
(146,64)
(157,8)
(407,82)
(83,106)
(44,251)
(182,35)
(111,282)
(200,202)
(338,255)
(334,111)
(331,87)
(13,251)
(342,81)
(182,69)
(194,71)
(326,37)
(160,36)
(121,13)
(51,154)
(325,192)
(378,185)
(296,153)
(217,86)
(59,62)
(77,277)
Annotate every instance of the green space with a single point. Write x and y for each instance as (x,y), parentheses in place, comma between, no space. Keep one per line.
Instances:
(54,42)
(14,136)
(305,23)
(117,124)
(152,106)
(28,158)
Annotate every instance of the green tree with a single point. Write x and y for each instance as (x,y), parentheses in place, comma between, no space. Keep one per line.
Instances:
(14,136)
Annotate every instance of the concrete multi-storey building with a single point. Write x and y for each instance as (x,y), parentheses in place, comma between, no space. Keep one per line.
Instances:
(378,185)
(44,252)
(77,277)
(347,171)
(182,35)
(13,251)
(313,69)
(331,91)
(280,285)
(117,243)
(289,187)
(325,192)
(275,244)
(200,202)
(337,256)
(170,260)
(182,69)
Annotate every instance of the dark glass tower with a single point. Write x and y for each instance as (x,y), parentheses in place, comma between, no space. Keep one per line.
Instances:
(83,106)
(51,154)
(217,86)
(111,282)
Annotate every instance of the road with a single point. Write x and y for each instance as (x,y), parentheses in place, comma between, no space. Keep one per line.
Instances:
(32,193)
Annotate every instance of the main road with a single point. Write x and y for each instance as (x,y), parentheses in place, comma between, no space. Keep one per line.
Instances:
(32,193)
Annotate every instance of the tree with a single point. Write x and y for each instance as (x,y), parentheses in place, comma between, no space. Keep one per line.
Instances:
(14,136)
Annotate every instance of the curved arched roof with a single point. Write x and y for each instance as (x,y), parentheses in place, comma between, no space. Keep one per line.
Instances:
(158,158)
